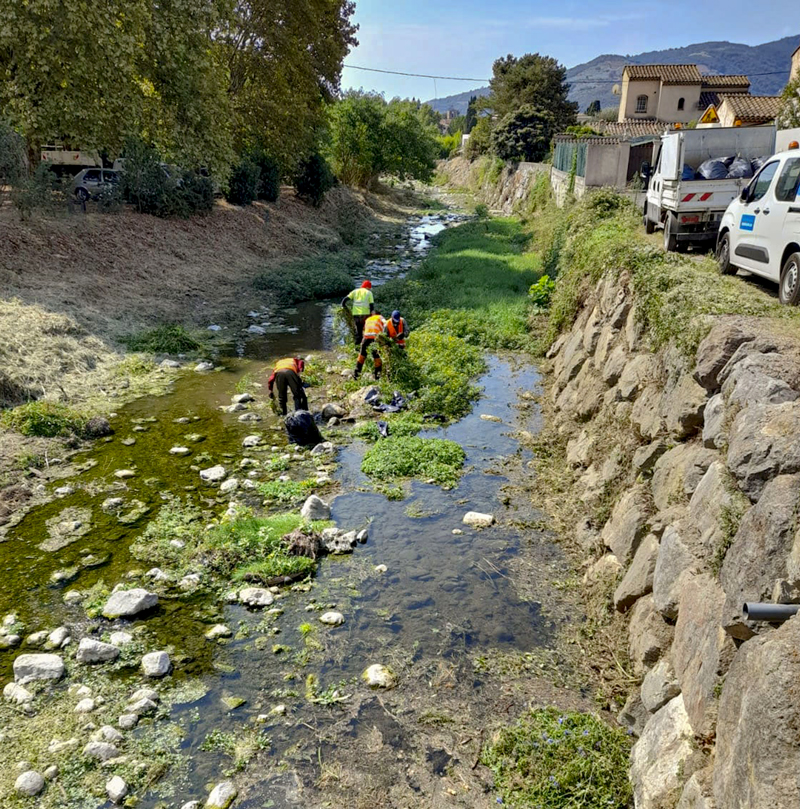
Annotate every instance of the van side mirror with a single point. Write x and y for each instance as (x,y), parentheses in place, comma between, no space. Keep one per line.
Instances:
(745,195)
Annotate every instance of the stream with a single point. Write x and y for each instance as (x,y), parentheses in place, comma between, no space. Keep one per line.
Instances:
(460,615)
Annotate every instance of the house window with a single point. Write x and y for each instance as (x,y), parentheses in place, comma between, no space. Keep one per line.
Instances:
(641,105)
(681,103)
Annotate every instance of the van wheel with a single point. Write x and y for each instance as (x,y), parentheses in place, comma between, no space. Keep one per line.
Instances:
(790,281)
(649,224)
(670,239)
(724,255)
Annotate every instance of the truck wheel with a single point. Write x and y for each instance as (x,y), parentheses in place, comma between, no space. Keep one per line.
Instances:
(649,225)
(790,281)
(724,255)
(670,239)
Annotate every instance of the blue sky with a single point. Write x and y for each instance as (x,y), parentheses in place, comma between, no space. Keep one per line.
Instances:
(464,38)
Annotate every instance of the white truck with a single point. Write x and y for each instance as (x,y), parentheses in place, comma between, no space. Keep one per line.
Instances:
(690,210)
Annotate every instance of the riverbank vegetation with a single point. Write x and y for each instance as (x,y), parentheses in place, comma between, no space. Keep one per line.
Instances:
(398,457)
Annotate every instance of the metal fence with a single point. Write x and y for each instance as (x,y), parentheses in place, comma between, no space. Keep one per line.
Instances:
(571,154)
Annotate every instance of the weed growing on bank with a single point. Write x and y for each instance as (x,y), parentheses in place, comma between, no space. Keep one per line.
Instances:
(555,760)
(44,419)
(400,457)
(401,424)
(313,278)
(167,339)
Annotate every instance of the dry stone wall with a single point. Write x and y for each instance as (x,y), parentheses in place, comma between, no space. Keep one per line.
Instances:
(689,472)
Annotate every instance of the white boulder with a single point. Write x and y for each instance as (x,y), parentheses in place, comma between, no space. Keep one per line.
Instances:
(31,667)
(156,664)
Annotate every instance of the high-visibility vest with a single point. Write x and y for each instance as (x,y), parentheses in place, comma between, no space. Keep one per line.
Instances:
(395,331)
(362,298)
(288,364)
(374,326)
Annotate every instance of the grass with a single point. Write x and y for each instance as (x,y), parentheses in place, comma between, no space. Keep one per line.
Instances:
(314,278)
(169,338)
(401,457)
(44,419)
(401,424)
(555,760)
(286,491)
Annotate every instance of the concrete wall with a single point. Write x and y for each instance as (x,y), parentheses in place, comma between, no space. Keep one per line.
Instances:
(631,90)
(785,137)
(668,103)
(607,164)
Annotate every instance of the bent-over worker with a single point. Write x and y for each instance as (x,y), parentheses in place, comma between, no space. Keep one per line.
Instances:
(373,329)
(361,305)
(285,377)
(396,329)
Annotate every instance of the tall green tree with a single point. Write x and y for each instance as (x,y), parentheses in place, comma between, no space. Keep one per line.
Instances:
(524,135)
(593,108)
(471,117)
(532,80)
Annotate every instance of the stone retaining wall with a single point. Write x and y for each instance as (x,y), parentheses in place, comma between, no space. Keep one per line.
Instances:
(699,460)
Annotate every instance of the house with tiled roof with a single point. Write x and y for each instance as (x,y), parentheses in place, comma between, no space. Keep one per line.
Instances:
(747,110)
(672,93)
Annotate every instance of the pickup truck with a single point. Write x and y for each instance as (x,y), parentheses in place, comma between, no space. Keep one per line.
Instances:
(760,230)
(690,210)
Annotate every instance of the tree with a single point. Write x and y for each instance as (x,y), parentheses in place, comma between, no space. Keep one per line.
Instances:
(471,117)
(480,139)
(534,81)
(524,135)
(456,124)
(593,108)
(789,115)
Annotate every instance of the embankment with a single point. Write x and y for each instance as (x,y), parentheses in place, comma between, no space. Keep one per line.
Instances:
(673,397)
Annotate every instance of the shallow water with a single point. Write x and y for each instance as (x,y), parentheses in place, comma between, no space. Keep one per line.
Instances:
(445,597)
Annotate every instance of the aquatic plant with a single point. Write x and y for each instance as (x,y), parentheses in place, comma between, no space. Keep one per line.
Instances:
(399,457)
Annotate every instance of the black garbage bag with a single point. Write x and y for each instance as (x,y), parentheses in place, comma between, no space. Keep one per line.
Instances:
(687,173)
(714,169)
(302,429)
(740,169)
(397,404)
(758,162)
(383,429)
(373,397)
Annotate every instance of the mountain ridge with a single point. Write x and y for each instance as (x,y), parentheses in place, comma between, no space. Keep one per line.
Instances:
(595,79)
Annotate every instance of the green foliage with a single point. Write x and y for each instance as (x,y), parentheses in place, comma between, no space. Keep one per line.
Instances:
(471,118)
(449,144)
(480,138)
(400,424)
(789,115)
(286,491)
(12,155)
(244,183)
(482,211)
(524,134)
(593,108)
(541,292)
(42,418)
(399,457)
(534,81)
(314,278)
(314,179)
(582,131)
(173,521)
(41,191)
(554,760)
(269,184)
(167,339)
(275,565)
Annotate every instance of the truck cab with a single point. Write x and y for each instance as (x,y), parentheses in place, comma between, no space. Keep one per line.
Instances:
(760,230)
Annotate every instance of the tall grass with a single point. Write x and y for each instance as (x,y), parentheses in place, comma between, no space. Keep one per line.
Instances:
(313,278)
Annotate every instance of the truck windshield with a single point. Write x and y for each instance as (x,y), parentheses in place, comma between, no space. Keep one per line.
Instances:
(787,188)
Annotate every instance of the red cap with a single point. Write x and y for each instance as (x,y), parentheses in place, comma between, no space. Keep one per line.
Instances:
(366,285)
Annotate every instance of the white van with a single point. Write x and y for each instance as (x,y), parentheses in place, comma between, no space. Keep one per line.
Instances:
(760,230)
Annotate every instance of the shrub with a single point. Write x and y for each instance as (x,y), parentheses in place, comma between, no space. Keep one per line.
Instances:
(269,184)
(554,760)
(196,193)
(166,339)
(409,456)
(40,191)
(313,278)
(244,183)
(313,179)
(541,292)
(12,155)
(45,419)
(482,211)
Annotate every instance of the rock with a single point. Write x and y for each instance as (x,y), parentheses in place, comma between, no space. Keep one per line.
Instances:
(634,715)
(708,506)
(644,459)
(214,474)
(315,509)
(579,449)
(698,792)
(124,474)
(362,537)
(94,651)
(121,638)
(64,491)
(55,640)
(646,414)
(377,676)
(145,693)
(116,789)
(332,618)
(169,364)
(228,486)
(85,706)
(256,330)
(201,367)
(657,759)
(325,448)
(761,550)
(219,631)
(701,651)
(180,451)
(156,664)
(249,417)
(126,603)
(51,772)
(222,796)
(256,597)
(757,755)
(10,641)
(674,565)
(128,721)
(715,351)
(638,580)
(243,398)
(381,569)
(142,707)
(637,374)
(102,751)
(615,365)
(604,571)
(191,805)
(29,783)
(16,693)
(678,472)
(714,435)
(489,417)
(333,411)
(36,638)
(649,635)
(98,427)
(31,667)
(56,747)
(763,444)
(112,504)
(660,685)
(109,734)
(751,381)
(477,520)
(628,524)
(683,408)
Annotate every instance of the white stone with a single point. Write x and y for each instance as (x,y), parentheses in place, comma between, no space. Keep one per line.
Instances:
(156,664)
(128,721)
(112,503)
(116,789)
(189,581)
(363,535)
(16,693)
(191,805)
(109,734)
(257,330)
(213,474)
(378,676)
(124,603)
(102,751)
(219,631)
(121,638)
(29,783)
(478,520)
(51,772)
(326,448)
(251,441)
(256,597)
(177,543)
(230,485)
(94,651)
(222,796)
(36,638)
(173,364)
(31,667)
(332,618)
(145,693)
(124,474)
(156,574)
(204,366)
(381,568)
(85,706)
(487,417)
(315,509)
(64,491)
(180,451)
(243,398)
(57,637)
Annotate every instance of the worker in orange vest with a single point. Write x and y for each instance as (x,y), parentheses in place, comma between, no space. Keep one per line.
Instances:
(396,329)
(373,329)
(285,377)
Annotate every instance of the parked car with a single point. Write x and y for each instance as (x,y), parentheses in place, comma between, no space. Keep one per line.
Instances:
(760,230)
(89,183)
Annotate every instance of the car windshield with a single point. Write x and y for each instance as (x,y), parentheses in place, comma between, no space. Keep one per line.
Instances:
(789,182)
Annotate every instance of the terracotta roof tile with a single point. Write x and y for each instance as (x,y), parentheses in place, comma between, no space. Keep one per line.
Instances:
(629,128)
(752,109)
(667,74)
(718,82)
